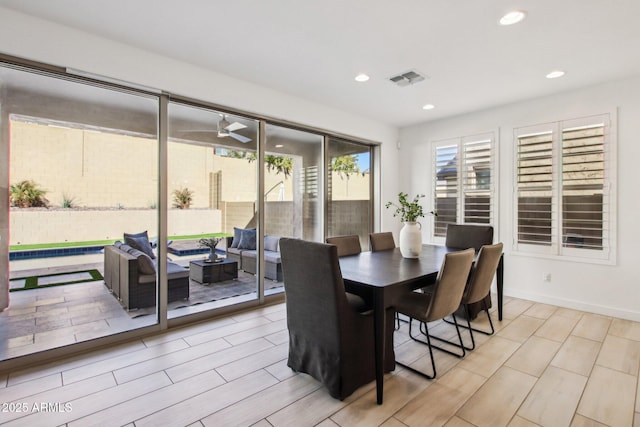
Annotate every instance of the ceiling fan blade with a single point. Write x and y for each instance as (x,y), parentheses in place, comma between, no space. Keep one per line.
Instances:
(239,137)
(235,126)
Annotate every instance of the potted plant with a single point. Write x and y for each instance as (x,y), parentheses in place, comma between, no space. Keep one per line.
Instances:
(211,243)
(411,232)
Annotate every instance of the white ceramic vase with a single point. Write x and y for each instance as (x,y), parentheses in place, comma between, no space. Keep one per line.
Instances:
(411,240)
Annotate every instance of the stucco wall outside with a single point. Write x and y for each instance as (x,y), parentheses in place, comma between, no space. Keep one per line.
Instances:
(39,225)
(103,169)
(34,226)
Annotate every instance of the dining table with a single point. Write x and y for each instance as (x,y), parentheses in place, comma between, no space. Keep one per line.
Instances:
(381,276)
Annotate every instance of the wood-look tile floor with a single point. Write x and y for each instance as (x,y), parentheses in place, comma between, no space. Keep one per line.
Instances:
(50,317)
(545,366)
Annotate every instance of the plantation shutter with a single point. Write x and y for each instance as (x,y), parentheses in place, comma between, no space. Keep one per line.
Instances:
(477,181)
(463,187)
(535,187)
(445,187)
(584,214)
(564,173)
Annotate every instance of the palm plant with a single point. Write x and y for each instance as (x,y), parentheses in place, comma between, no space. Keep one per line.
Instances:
(27,194)
(182,198)
(279,164)
(345,165)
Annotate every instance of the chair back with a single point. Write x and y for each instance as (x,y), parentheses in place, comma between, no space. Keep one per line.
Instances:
(450,284)
(381,241)
(482,273)
(314,288)
(463,236)
(347,245)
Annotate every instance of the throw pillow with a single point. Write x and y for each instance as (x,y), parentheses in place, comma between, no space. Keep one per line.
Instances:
(141,242)
(271,243)
(247,239)
(145,264)
(141,234)
(236,237)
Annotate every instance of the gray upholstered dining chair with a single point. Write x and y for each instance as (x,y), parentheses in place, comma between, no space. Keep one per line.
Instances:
(479,284)
(347,245)
(331,332)
(463,236)
(381,241)
(443,301)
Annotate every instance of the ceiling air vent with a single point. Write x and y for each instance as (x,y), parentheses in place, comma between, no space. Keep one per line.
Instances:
(408,78)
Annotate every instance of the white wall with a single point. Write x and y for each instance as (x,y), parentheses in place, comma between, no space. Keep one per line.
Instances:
(605,289)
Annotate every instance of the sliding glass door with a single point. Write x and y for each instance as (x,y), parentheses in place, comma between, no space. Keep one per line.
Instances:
(83,172)
(212,184)
(293,194)
(350,189)
(92,182)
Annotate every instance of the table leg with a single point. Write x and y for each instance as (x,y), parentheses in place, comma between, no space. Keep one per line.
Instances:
(379,313)
(500,284)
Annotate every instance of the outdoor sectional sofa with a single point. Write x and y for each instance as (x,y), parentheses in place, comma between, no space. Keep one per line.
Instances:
(243,251)
(130,275)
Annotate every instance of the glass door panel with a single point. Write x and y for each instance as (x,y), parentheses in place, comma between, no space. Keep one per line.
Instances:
(349,190)
(212,184)
(293,194)
(83,172)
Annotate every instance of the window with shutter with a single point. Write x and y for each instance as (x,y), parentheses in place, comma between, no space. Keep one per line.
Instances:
(535,187)
(463,182)
(564,173)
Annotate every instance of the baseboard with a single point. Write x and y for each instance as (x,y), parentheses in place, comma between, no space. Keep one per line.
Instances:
(576,305)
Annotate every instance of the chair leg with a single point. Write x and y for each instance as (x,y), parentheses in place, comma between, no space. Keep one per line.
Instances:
(428,344)
(431,347)
(461,346)
(486,310)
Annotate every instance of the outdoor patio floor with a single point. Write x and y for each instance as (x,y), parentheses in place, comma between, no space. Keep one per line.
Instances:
(50,317)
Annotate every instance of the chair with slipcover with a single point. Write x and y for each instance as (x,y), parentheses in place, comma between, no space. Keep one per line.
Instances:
(331,331)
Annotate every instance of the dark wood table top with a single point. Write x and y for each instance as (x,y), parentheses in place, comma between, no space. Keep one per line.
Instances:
(387,268)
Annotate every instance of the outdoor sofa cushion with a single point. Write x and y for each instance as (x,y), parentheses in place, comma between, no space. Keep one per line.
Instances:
(140,241)
(145,263)
(271,243)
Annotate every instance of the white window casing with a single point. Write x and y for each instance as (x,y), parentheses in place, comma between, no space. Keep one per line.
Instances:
(464,182)
(564,197)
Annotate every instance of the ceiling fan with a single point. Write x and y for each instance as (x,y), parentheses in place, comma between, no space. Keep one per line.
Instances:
(226,128)
(223,129)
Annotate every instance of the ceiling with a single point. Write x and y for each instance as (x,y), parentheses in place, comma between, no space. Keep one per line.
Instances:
(314,49)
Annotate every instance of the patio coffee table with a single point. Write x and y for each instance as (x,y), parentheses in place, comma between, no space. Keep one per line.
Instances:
(211,272)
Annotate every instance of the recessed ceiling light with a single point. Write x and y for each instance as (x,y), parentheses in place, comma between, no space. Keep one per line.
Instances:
(279,145)
(555,74)
(428,107)
(362,77)
(513,17)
